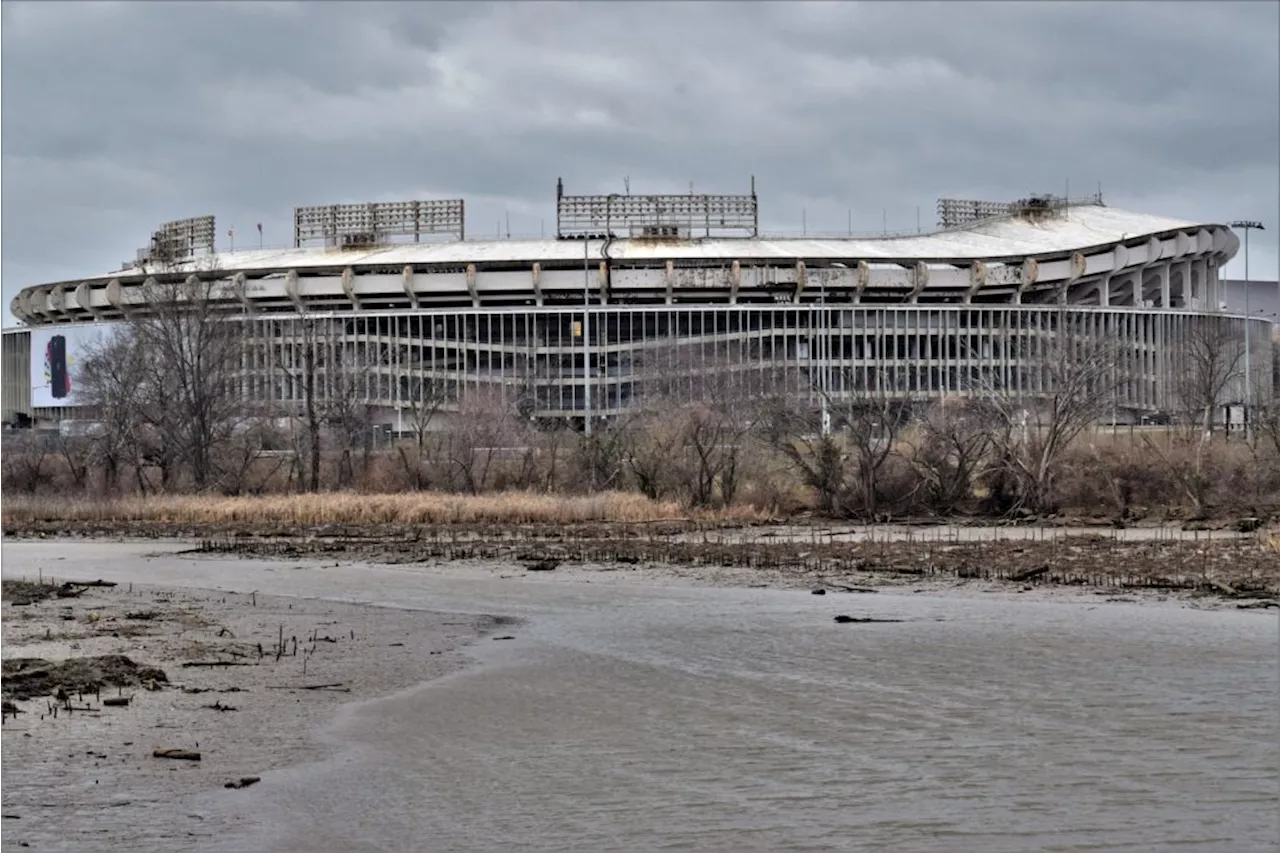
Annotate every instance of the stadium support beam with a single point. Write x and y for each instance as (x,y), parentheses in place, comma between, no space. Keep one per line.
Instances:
(58,299)
(602,279)
(348,287)
(864,278)
(735,281)
(919,281)
(291,290)
(406,279)
(115,294)
(84,298)
(1030,272)
(471,285)
(536,274)
(670,280)
(1075,272)
(239,286)
(977,278)
(800,281)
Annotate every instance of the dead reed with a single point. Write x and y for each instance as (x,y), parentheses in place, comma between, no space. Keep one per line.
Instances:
(342,508)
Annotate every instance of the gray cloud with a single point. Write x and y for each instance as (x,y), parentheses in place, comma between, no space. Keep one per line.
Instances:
(120,116)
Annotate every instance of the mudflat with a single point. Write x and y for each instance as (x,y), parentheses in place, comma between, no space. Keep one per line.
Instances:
(123,701)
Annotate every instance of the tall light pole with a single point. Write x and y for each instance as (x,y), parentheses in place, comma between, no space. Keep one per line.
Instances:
(1247,225)
(586,334)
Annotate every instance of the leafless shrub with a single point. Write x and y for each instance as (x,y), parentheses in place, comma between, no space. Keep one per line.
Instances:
(26,462)
(650,454)
(846,459)
(486,432)
(948,447)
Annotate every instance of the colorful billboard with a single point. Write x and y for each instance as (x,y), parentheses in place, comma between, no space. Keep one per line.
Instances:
(56,355)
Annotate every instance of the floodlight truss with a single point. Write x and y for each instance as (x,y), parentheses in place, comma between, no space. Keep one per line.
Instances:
(378,222)
(183,238)
(634,215)
(956,212)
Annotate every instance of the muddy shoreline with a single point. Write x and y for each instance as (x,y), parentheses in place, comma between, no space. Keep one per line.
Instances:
(1226,566)
(248,680)
(1233,566)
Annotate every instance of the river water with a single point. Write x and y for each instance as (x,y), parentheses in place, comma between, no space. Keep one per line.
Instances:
(636,716)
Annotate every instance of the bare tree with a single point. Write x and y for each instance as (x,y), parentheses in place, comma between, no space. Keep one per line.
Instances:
(168,381)
(424,398)
(112,383)
(327,379)
(348,414)
(195,355)
(485,429)
(602,455)
(77,454)
(1078,372)
(1212,359)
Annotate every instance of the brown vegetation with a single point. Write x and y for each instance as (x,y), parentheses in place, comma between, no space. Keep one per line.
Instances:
(313,510)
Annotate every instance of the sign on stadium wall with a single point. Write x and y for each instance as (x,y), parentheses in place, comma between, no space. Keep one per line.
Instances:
(56,356)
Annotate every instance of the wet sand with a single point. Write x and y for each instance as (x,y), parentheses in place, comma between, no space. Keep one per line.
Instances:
(87,779)
(648,706)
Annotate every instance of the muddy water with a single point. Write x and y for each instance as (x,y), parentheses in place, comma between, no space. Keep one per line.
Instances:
(629,716)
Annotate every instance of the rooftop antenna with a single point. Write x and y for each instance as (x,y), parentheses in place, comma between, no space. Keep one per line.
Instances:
(508,213)
(626,182)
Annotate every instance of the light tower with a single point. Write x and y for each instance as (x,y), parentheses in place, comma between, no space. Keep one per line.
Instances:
(1247,225)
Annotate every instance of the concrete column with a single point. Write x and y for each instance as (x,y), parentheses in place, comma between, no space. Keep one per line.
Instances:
(1104,291)
(1165,276)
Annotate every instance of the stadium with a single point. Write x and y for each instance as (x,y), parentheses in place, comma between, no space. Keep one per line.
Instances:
(679,292)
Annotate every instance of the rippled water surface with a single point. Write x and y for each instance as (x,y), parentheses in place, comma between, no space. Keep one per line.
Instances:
(634,717)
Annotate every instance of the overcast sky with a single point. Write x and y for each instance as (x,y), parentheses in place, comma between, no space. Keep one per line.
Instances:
(120,116)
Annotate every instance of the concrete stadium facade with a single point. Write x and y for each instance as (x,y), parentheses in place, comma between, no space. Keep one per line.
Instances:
(579,329)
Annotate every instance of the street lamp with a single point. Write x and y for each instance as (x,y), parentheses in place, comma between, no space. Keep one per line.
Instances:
(586,334)
(1247,225)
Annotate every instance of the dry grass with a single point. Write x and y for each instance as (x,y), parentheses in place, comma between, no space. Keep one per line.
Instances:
(357,509)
